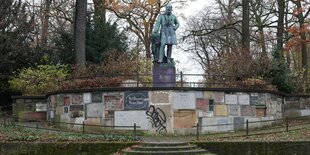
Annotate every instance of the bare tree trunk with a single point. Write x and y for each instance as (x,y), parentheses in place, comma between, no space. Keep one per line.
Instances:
(304,54)
(80,32)
(45,23)
(245,25)
(280,27)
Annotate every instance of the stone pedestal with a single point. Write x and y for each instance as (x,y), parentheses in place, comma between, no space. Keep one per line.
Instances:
(164,75)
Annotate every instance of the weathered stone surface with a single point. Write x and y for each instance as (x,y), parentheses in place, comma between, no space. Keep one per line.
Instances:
(220,110)
(128,118)
(305,103)
(271,108)
(231,99)
(165,115)
(77,99)
(202,104)
(67,100)
(184,119)
(254,99)
(86,98)
(53,101)
(208,95)
(260,111)
(94,110)
(216,124)
(244,99)
(96,97)
(113,102)
(41,107)
(93,121)
(59,110)
(234,110)
(262,99)
(182,100)
(78,123)
(60,100)
(199,94)
(66,119)
(247,110)
(159,96)
(218,97)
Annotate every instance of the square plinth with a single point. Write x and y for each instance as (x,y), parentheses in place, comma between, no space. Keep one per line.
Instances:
(163,75)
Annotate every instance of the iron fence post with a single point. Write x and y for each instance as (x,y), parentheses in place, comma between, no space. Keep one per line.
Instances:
(197,131)
(83,128)
(138,79)
(181,79)
(286,123)
(37,125)
(247,127)
(134,131)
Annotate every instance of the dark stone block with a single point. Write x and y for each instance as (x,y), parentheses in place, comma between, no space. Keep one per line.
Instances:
(136,100)
(164,75)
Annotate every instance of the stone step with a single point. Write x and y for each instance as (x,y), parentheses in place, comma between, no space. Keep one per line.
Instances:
(153,144)
(163,148)
(183,152)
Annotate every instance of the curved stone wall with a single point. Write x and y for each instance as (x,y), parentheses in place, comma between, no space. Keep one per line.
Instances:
(172,111)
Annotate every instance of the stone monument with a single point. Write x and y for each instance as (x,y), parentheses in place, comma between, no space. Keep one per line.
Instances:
(163,38)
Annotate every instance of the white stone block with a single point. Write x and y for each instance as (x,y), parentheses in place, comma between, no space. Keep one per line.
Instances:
(128,118)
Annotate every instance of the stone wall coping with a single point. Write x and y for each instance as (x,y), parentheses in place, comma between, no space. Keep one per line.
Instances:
(29,97)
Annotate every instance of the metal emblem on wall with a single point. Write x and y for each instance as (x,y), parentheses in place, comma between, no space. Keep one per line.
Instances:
(136,100)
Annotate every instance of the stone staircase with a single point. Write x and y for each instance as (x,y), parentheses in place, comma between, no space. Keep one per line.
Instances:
(162,148)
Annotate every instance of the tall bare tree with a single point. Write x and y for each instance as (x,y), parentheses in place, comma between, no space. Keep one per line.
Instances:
(80,32)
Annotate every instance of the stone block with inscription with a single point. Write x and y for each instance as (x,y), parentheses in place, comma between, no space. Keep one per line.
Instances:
(184,119)
(234,110)
(94,110)
(77,98)
(86,98)
(218,97)
(244,99)
(96,97)
(164,75)
(231,99)
(159,96)
(247,110)
(220,110)
(202,104)
(183,100)
(67,100)
(113,102)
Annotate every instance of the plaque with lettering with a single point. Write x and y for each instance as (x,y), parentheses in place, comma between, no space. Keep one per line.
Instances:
(76,108)
(136,100)
(96,97)
(113,102)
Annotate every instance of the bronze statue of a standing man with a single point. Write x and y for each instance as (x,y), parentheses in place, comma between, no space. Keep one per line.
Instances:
(167,23)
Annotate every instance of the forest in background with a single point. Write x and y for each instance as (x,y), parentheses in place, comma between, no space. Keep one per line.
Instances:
(265,39)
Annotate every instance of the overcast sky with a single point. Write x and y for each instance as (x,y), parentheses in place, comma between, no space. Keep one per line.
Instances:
(186,63)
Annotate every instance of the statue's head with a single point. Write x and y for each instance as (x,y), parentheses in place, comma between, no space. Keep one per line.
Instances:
(168,9)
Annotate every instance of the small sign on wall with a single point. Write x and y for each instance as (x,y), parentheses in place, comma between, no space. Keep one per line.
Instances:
(87,98)
(136,100)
